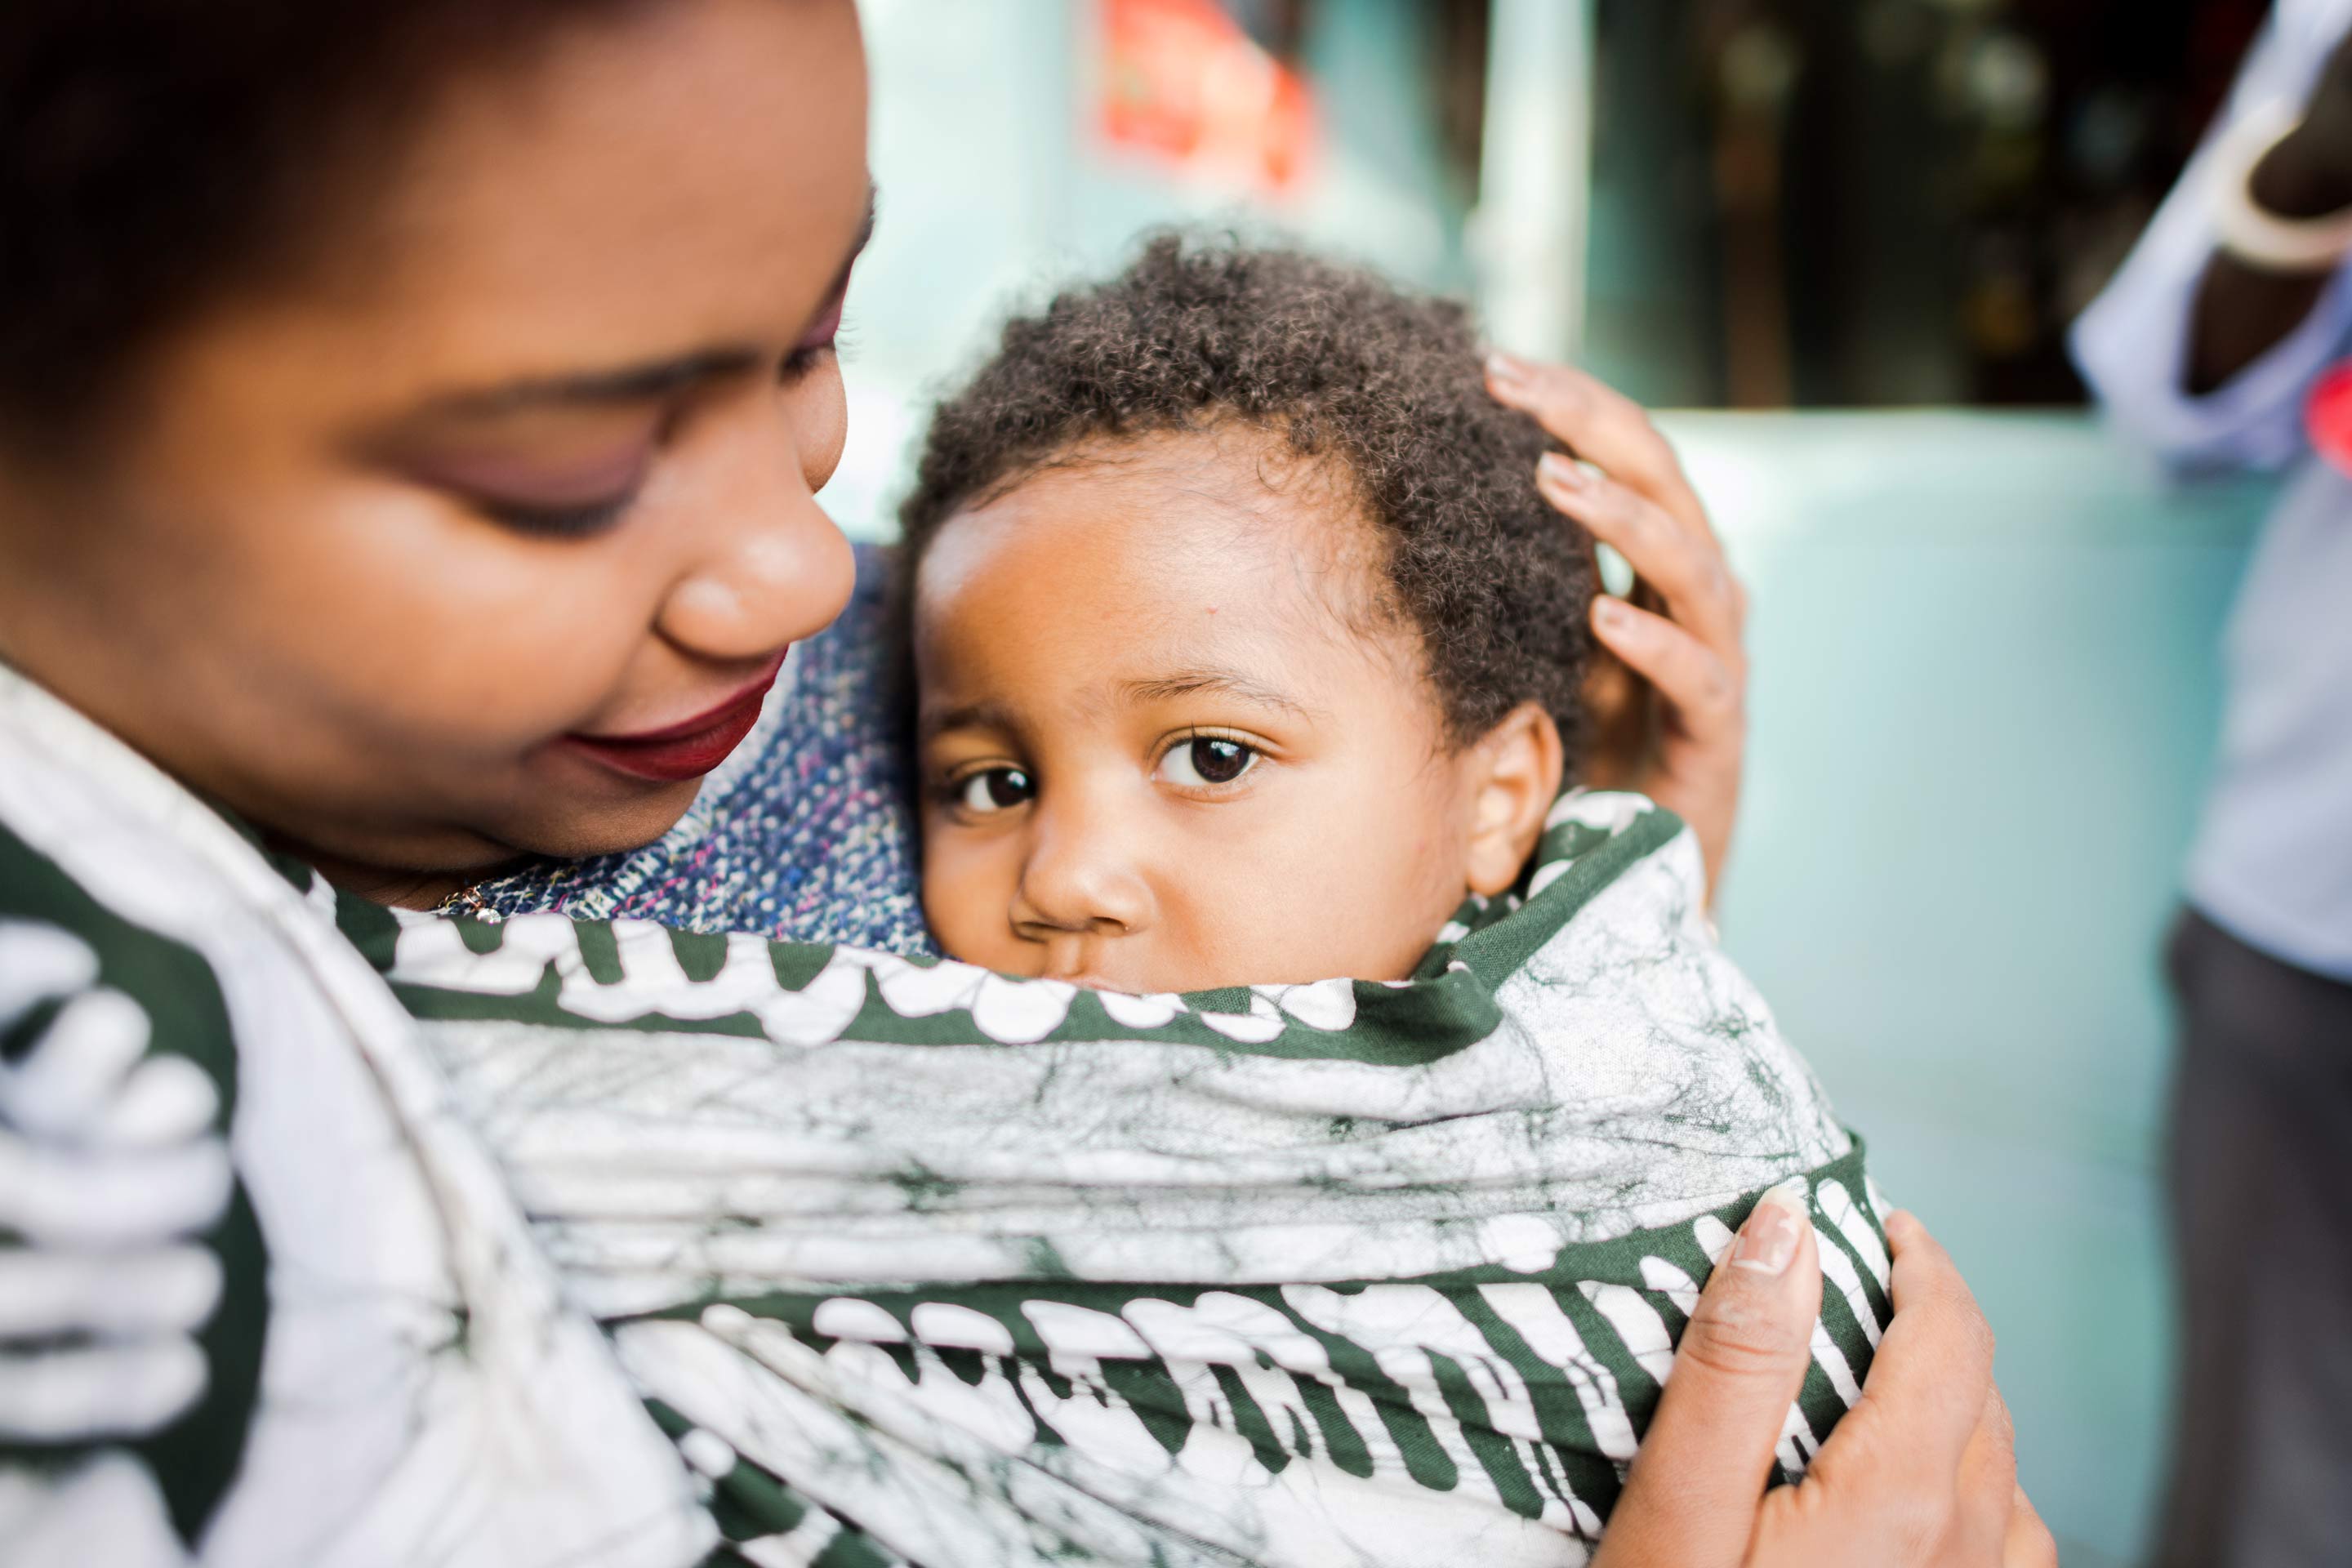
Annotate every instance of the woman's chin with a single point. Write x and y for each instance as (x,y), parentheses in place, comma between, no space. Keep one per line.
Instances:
(429,864)
(607,826)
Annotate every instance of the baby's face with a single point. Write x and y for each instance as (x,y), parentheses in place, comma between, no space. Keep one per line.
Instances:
(1168,742)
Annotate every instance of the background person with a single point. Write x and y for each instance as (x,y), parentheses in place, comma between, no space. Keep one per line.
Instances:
(2207,347)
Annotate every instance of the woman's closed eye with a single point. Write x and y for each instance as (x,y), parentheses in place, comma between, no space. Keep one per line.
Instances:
(575,521)
(563,497)
(1207,761)
(823,336)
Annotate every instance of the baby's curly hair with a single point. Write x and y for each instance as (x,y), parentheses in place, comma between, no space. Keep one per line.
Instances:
(1348,370)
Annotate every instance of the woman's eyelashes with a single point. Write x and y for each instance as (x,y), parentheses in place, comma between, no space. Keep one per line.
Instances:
(576,521)
(826,335)
(808,356)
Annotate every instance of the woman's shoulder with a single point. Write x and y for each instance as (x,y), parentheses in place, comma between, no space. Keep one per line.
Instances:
(807,834)
(209,1105)
(114,1122)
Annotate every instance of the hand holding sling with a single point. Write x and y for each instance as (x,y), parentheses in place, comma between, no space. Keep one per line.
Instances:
(1921,1474)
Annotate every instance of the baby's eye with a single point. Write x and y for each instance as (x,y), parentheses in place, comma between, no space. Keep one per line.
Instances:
(1207,761)
(994,790)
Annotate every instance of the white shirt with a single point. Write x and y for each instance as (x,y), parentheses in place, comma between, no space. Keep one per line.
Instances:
(2272,862)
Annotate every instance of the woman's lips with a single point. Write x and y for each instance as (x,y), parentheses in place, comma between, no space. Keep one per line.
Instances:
(689,749)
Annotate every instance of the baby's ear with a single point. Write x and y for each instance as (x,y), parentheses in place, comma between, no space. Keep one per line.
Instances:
(1514,777)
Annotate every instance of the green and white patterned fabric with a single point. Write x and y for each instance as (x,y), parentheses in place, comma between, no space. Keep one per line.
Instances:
(335,1236)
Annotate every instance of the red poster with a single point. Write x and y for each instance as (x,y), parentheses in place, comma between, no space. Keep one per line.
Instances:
(2328,416)
(1182,83)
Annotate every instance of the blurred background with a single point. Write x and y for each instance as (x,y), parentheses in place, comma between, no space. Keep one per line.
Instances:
(1841,240)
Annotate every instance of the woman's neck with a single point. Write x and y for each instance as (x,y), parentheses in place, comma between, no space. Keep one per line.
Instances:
(400,887)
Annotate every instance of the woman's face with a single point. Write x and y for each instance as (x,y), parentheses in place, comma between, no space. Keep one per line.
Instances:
(483,535)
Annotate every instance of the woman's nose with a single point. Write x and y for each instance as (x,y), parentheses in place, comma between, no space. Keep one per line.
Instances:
(770,568)
(1080,879)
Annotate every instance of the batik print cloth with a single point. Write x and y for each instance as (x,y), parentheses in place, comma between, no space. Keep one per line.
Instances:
(340,1237)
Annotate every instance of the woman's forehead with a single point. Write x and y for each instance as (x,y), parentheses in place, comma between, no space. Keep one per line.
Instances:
(642,188)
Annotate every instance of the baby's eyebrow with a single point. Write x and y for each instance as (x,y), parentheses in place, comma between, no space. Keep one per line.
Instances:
(968,716)
(1215,683)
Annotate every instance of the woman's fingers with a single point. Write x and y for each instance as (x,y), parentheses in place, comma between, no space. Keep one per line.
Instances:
(1934,1367)
(2029,1545)
(1601,425)
(1997,1522)
(1902,1470)
(1703,692)
(1686,567)
(1920,1474)
(1692,1496)
(1701,726)
(2002,1525)
(1988,1484)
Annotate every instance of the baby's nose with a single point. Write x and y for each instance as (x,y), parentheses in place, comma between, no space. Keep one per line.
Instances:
(1078,883)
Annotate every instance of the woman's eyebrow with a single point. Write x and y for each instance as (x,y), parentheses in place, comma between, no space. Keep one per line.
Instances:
(649,381)
(629,383)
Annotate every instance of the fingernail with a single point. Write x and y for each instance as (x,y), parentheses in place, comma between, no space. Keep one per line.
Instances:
(1609,612)
(1563,470)
(1768,1240)
(1504,370)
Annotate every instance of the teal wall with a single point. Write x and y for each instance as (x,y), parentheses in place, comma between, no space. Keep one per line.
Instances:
(1985,693)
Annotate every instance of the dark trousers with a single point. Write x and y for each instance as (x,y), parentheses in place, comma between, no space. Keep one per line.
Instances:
(2261,1171)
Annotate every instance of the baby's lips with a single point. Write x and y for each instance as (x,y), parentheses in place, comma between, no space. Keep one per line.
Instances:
(2328,417)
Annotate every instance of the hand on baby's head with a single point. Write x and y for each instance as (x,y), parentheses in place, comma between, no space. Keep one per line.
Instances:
(1244,645)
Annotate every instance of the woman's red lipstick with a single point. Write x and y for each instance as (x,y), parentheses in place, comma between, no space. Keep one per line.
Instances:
(689,749)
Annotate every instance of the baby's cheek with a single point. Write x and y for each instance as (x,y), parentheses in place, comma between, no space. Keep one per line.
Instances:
(1334,905)
(967,899)
(1381,900)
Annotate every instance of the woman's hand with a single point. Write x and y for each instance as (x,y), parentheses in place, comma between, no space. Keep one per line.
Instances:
(1670,699)
(1920,1474)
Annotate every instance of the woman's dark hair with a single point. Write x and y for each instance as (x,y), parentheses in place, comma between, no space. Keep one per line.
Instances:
(1347,370)
(156,154)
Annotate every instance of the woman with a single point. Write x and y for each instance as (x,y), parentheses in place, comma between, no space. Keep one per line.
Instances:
(410,422)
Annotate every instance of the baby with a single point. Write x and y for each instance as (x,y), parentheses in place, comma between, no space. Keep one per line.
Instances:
(1245,647)
(1246,656)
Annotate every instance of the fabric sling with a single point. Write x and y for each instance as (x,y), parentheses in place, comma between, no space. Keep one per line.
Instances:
(554,1241)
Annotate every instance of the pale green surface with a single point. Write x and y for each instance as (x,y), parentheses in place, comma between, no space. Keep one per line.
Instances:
(1984,698)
